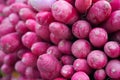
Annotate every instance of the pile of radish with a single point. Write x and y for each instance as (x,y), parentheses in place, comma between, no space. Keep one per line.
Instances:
(59,40)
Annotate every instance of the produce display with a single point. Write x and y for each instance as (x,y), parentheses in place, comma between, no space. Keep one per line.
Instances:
(59,39)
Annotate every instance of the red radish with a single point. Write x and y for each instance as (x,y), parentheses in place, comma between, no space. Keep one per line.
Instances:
(29,59)
(70,1)
(81,48)
(44,17)
(58,12)
(2,6)
(54,39)
(43,32)
(13,18)
(26,13)
(100,74)
(29,38)
(113,69)
(21,52)
(81,29)
(80,76)
(39,48)
(98,37)
(67,59)
(60,30)
(67,71)
(112,49)
(48,66)
(65,46)
(41,5)
(9,2)
(20,67)
(10,59)
(6,27)
(102,10)
(112,24)
(97,59)
(10,42)
(15,7)
(21,27)
(83,5)
(115,4)
(81,65)
(6,69)
(6,11)
(31,73)
(30,24)
(54,51)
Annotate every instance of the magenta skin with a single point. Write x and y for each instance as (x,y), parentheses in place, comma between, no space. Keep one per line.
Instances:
(43,32)
(1,18)
(44,17)
(48,66)
(32,73)
(40,5)
(67,59)
(112,69)
(20,67)
(21,27)
(112,24)
(29,59)
(21,1)
(98,37)
(54,39)
(115,4)
(15,7)
(80,76)
(9,2)
(97,59)
(21,52)
(39,48)
(54,51)
(13,18)
(2,6)
(65,46)
(112,49)
(95,1)
(83,5)
(67,71)
(30,24)
(10,59)
(82,65)
(6,69)
(26,13)
(2,1)
(60,78)
(2,55)
(10,42)
(102,9)
(60,30)
(100,74)
(6,11)
(29,38)
(6,20)
(81,48)
(64,12)
(81,29)
(6,27)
